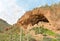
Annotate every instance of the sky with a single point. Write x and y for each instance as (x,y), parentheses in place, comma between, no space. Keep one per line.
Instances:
(12,10)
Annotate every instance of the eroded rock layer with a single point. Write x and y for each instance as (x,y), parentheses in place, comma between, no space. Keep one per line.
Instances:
(50,14)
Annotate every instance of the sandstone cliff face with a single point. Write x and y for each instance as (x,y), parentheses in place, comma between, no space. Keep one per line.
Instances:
(49,15)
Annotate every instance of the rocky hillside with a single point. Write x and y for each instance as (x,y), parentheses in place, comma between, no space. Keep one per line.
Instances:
(47,14)
(42,23)
(4,25)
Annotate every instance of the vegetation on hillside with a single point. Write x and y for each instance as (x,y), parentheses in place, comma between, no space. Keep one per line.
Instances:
(17,34)
(4,25)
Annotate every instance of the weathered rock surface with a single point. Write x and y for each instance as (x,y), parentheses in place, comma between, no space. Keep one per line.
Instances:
(50,15)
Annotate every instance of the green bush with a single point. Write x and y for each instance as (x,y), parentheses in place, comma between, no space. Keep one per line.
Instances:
(41,30)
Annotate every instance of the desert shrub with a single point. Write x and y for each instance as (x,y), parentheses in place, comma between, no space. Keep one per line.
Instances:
(41,30)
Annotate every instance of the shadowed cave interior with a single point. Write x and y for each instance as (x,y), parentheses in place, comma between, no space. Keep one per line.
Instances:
(35,19)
